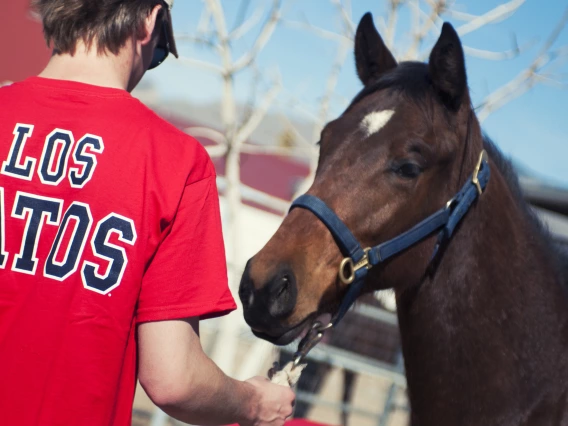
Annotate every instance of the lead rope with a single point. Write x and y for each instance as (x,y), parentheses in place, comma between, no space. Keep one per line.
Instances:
(291,372)
(287,376)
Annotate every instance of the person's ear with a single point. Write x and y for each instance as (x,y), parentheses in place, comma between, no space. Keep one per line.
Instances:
(150,25)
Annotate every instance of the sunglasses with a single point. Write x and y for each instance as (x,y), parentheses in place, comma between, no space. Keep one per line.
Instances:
(162,50)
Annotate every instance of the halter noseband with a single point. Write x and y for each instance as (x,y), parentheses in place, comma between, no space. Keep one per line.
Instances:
(357,262)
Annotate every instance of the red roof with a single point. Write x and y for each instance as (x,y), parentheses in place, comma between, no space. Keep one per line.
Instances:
(24,52)
(274,175)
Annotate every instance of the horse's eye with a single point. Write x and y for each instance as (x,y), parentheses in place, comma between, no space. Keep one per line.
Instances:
(408,170)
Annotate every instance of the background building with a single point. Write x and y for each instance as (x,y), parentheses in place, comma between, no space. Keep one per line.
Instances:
(23,50)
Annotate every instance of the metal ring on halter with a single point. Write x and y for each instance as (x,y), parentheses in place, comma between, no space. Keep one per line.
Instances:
(348,269)
(346,273)
(325,327)
(302,353)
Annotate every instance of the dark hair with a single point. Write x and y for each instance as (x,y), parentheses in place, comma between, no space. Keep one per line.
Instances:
(108,23)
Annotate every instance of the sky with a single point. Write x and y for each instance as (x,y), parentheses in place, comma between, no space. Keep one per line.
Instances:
(532,129)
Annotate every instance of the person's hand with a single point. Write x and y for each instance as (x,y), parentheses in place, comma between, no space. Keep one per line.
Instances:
(275,403)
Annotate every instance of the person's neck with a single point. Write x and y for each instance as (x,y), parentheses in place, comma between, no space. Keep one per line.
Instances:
(90,67)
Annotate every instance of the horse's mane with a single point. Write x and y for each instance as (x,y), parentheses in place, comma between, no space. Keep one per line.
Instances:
(557,250)
(410,78)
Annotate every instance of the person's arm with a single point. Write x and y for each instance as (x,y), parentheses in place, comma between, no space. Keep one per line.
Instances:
(181,380)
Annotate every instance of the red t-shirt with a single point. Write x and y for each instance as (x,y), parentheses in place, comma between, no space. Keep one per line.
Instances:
(109,217)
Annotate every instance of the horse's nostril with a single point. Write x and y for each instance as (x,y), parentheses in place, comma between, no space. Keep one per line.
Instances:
(283,293)
(285,286)
(270,302)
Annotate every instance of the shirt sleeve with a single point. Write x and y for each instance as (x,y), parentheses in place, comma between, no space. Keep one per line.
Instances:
(188,274)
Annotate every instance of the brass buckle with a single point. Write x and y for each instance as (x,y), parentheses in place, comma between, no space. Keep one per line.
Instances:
(474,178)
(347,269)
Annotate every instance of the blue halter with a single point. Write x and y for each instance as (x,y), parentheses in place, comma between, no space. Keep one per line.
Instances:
(357,262)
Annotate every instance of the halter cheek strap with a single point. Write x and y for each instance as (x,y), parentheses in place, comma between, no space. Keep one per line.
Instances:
(357,262)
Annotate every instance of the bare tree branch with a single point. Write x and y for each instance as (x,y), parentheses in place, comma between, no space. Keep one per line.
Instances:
(197,39)
(506,93)
(416,12)
(460,16)
(331,84)
(297,104)
(323,33)
(226,346)
(201,64)
(394,5)
(555,33)
(437,8)
(204,21)
(297,135)
(228,107)
(216,151)
(551,80)
(345,13)
(242,11)
(216,11)
(246,26)
(262,38)
(253,91)
(501,12)
(259,197)
(206,132)
(255,119)
(527,78)
(381,24)
(275,150)
(492,56)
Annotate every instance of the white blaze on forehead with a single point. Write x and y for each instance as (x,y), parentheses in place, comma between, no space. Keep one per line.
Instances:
(376,120)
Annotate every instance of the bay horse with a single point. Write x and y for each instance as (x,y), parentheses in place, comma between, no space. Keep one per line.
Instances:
(481,304)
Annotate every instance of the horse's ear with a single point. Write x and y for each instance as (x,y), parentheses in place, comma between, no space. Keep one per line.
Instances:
(447,68)
(372,56)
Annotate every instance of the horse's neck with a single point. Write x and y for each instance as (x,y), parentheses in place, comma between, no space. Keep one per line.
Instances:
(489,327)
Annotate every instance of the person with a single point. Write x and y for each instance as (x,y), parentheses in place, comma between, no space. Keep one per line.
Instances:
(111,248)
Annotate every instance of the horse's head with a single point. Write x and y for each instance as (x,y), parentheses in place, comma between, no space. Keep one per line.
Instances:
(392,158)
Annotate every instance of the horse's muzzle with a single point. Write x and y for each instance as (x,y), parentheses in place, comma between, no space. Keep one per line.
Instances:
(267,305)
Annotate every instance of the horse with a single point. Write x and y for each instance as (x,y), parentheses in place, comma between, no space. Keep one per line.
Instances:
(479,283)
